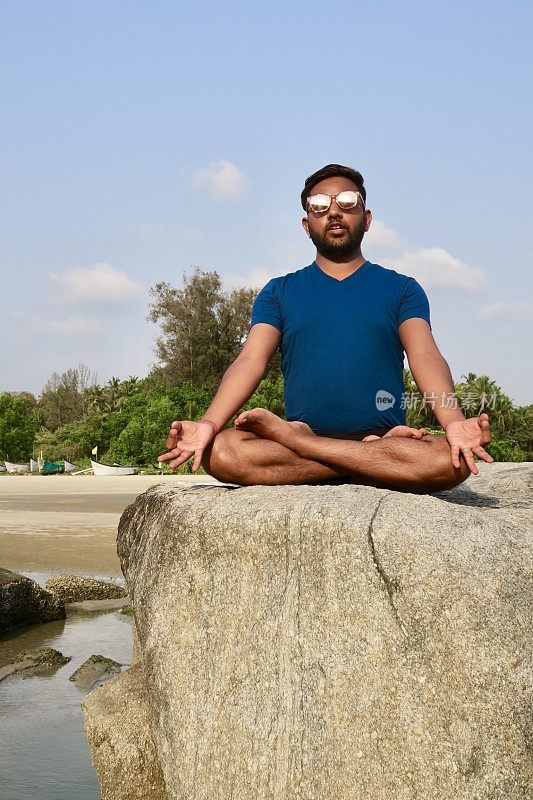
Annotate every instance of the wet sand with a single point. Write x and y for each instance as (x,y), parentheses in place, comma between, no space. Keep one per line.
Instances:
(68,523)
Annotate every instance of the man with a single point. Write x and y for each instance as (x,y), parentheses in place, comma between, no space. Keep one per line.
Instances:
(342,325)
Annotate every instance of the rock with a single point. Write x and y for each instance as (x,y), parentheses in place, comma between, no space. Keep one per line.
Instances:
(73,588)
(95,671)
(325,643)
(34,662)
(121,742)
(24,602)
(94,606)
(46,656)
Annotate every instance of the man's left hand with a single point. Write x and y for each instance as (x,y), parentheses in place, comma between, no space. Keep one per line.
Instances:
(469,437)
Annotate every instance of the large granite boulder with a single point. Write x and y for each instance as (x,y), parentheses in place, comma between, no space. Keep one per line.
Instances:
(324,643)
(24,602)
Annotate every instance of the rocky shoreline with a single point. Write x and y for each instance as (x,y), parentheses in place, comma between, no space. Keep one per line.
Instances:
(23,603)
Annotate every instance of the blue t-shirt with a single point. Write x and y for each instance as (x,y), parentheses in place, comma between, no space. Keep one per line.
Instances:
(341,355)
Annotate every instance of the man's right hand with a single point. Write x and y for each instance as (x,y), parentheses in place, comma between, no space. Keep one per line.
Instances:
(185,439)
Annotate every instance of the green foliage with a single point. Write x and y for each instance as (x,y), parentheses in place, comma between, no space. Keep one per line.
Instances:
(142,439)
(512,427)
(269,394)
(202,327)
(64,397)
(73,441)
(506,450)
(480,393)
(521,429)
(17,428)
(137,434)
(113,396)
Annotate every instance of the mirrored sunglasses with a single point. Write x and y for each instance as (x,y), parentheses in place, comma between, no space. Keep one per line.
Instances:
(318,203)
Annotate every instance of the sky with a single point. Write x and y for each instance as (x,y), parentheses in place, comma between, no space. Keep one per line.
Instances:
(141,139)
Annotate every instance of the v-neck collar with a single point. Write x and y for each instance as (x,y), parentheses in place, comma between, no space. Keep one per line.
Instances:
(340,280)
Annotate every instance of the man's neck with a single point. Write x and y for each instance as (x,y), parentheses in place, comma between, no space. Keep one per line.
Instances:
(341,269)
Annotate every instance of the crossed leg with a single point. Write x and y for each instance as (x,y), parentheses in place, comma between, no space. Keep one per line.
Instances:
(264,449)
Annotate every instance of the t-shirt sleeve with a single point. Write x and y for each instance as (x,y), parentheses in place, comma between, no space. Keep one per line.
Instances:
(266,307)
(414,303)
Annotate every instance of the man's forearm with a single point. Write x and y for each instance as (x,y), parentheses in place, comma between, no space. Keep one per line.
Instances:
(433,377)
(239,382)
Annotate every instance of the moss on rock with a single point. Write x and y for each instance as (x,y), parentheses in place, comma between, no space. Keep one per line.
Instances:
(75,588)
(45,656)
(96,670)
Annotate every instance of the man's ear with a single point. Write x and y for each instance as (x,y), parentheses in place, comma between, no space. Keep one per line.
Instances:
(305,225)
(368,220)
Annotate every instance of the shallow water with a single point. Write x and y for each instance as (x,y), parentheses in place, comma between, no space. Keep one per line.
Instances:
(44,753)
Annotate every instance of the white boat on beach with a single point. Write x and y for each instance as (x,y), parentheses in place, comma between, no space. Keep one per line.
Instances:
(12,467)
(69,466)
(111,469)
(34,465)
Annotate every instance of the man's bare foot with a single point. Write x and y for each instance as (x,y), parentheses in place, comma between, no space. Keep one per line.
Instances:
(400,430)
(267,425)
(301,428)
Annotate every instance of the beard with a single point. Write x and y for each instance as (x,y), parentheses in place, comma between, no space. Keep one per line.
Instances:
(342,249)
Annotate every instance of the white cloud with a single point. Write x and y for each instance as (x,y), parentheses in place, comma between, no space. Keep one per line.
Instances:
(77,326)
(379,237)
(224,180)
(506,309)
(100,283)
(433,267)
(436,268)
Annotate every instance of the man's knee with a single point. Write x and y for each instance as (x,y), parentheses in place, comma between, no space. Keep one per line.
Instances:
(223,456)
(443,474)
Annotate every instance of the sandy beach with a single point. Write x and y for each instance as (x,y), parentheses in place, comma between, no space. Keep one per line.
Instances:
(65,523)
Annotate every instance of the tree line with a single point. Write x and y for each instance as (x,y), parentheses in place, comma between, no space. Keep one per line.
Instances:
(201,331)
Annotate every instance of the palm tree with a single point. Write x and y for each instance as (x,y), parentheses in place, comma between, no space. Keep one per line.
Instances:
(96,398)
(130,387)
(112,393)
(479,393)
